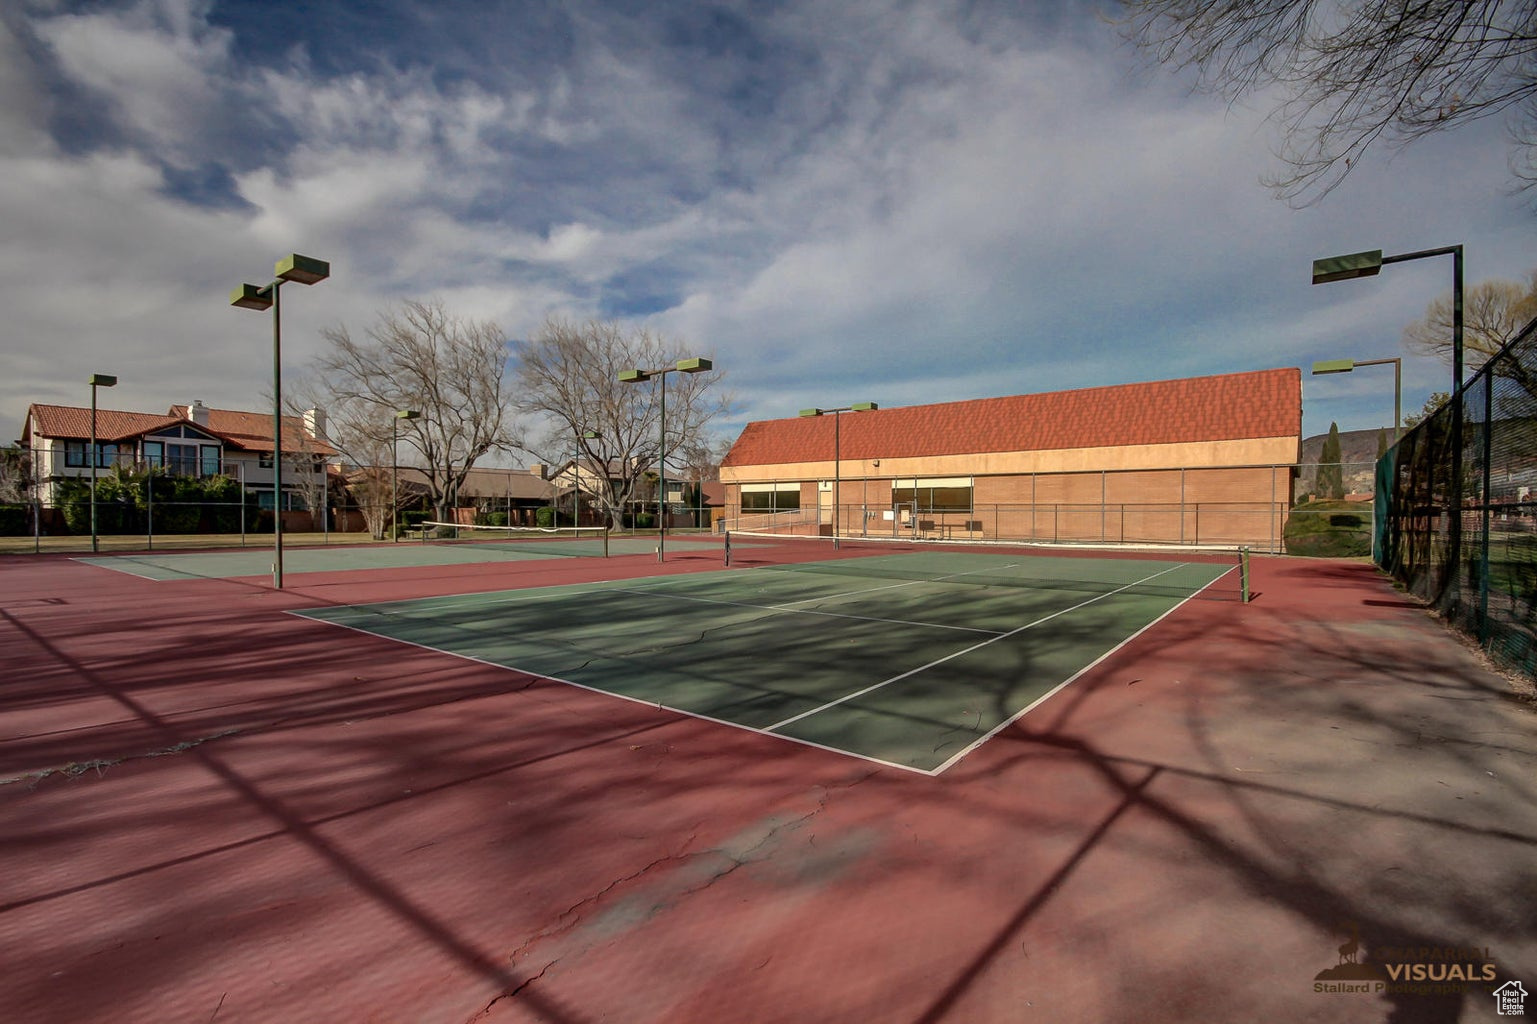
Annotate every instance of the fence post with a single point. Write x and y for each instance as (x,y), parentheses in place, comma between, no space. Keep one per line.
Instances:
(1488,453)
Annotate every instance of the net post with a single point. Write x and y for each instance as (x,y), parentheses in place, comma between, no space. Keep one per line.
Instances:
(605,541)
(728,548)
(1243,573)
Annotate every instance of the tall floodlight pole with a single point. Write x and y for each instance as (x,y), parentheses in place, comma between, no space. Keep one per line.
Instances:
(303,270)
(1346,365)
(636,377)
(404,414)
(1369,264)
(836,414)
(576,468)
(98,380)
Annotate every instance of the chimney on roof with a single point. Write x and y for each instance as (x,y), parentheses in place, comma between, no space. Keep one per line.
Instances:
(315,423)
(537,470)
(197,412)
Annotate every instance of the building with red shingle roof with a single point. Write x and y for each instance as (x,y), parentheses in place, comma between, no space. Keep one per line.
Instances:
(1201,460)
(188,440)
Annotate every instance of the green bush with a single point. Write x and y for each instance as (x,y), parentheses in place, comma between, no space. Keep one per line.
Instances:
(15,521)
(544,517)
(1330,529)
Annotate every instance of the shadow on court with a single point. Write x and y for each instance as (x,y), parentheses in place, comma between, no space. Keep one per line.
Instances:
(220,811)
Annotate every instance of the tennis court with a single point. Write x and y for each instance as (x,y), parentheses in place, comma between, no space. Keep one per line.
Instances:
(909,658)
(475,547)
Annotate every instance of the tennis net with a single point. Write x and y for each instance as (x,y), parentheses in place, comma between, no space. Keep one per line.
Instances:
(1218,574)
(566,540)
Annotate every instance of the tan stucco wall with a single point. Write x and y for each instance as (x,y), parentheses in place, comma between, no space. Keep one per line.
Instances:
(1268,451)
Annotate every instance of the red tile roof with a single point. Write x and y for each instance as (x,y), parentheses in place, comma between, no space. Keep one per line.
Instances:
(253,430)
(242,430)
(66,421)
(1234,406)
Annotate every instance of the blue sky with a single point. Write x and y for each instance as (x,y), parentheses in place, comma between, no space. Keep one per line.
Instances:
(840,202)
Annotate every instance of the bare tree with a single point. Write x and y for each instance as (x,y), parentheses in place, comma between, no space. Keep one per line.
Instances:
(1493,313)
(420,357)
(569,375)
(15,475)
(1356,73)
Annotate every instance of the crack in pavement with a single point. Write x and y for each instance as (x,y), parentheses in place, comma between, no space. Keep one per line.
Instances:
(101,764)
(574,931)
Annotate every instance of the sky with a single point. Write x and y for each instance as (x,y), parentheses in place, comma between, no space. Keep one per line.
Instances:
(858,201)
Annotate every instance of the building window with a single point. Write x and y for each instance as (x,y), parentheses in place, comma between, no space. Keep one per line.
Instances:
(264,460)
(154,454)
(181,459)
(106,456)
(945,494)
(211,462)
(771,497)
(74,454)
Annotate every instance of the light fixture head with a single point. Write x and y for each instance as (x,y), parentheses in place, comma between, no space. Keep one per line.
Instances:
(1334,366)
(408,414)
(1343,268)
(811,412)
(250,296)
(695,365)
(863,407)
(301,269)
(102,380)
(633,376)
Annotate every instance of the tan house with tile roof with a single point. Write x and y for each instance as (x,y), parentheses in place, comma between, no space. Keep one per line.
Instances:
(188,440)
(1203,460)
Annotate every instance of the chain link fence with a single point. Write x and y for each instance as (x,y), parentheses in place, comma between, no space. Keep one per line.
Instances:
(1456,519)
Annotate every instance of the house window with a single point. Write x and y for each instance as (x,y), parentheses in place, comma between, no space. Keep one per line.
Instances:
(181,459)
(264,460)
(778,497)
(154,454)
(943,494)
(74,454)
(211,464)
(106,456)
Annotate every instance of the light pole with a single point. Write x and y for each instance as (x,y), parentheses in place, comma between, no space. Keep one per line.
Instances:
(1346,365)
(404,414)
(837,444)
(635,377)
(98,380)
(576,467)
(303,270)
(1369,264)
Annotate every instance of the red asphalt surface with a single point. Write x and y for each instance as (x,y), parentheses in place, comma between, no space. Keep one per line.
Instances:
(217,812)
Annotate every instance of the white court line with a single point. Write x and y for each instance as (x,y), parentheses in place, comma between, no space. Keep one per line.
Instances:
(974,647)
(1016,716)
(790,609)
(614,693)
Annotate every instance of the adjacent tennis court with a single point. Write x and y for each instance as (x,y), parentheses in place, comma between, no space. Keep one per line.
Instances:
(910,659)
(474,546)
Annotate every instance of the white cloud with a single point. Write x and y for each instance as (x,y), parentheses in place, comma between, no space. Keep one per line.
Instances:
(888,206)
(164,82)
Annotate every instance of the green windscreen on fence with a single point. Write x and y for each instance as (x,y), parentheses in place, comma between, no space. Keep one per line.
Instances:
(1457,513)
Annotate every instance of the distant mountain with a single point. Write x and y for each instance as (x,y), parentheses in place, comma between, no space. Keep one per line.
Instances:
(1358,461)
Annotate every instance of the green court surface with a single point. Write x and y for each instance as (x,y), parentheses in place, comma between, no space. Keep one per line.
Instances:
(257,561)
(910,660)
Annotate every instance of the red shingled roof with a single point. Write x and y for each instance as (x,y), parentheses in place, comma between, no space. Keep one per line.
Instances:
(1262,403)
(247,430)
(111,424)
